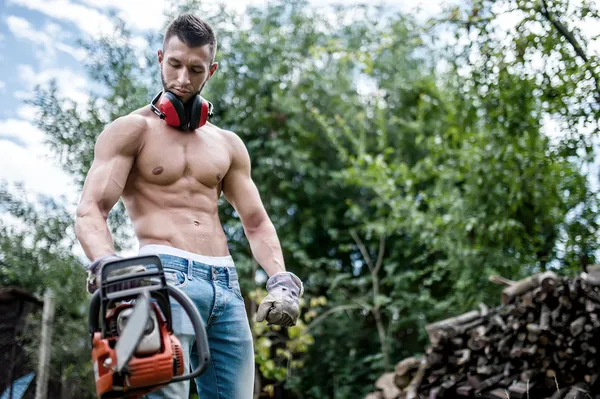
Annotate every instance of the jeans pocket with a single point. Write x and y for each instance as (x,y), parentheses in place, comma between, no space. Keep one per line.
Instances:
(175,278)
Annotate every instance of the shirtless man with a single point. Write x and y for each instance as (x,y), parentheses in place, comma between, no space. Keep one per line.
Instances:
(170,180)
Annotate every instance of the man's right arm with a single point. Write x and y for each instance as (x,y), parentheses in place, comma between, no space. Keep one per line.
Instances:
(114,154)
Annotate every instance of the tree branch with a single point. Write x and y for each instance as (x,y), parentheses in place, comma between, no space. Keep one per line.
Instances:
(563,30)
(380,255)
(350,298)
(363,249)
(322,317)
(572,40)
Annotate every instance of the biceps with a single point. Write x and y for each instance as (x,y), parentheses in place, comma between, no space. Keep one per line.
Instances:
(105,182)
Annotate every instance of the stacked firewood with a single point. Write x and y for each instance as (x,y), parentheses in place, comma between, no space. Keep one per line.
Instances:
(541,342)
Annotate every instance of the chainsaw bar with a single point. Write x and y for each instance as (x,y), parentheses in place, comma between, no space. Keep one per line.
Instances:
(134,329)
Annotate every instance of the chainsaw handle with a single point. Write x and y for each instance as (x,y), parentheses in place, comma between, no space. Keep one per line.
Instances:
(142,260)
(201,338)
(94,312)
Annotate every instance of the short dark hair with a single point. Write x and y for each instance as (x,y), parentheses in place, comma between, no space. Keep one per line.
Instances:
(193,31)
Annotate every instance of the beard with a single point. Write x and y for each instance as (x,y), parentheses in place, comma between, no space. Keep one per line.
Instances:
(164,84)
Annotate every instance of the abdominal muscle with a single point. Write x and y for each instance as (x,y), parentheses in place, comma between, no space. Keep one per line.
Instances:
(183,215)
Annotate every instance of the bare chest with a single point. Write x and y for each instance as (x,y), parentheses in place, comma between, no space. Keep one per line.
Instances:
(169,155)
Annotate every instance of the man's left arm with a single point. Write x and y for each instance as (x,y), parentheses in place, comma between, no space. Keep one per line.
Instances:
(284,287)
(241,192)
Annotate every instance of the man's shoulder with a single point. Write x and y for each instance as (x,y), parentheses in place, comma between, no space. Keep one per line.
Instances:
(140,116)
(230,138)
(125,131)
(134,123)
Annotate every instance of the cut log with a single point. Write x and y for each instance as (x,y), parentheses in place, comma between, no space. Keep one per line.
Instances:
(388,388)
(578,391)
(406,365)
(519,390)
(463,356)
(434,393)
(452,321)
(412,389)
(501,280)
(592,275)
(497,393)
(402,381)
(546,280)
(545,317)
(483,310)
(576,327)
(489,383)
(464,390)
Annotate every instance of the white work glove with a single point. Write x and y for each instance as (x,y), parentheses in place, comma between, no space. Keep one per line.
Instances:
(281,306)
(93,269)
(94,276)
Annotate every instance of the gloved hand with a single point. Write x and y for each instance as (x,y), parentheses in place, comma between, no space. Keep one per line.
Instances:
(93,269)
(281,306)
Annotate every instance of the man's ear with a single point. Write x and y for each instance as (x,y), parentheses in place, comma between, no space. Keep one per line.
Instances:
(213,68)
(160,56)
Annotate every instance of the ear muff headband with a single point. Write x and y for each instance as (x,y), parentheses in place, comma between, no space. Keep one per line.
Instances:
(172,110)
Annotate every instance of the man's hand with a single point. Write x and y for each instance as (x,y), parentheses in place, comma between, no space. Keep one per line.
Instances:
(281,306)
(93,269)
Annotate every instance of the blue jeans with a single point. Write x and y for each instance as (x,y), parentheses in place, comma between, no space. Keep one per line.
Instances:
(215,291)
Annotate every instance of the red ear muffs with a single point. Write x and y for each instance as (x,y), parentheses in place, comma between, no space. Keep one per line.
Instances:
(200,111)
(176,114)
(173,109)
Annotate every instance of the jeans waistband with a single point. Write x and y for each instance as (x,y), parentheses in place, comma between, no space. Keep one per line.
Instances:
(156,249)
(195,266)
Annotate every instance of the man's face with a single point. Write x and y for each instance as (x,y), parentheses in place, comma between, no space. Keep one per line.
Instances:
(185,70)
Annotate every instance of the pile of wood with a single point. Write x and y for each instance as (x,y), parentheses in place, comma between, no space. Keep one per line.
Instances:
(541,342)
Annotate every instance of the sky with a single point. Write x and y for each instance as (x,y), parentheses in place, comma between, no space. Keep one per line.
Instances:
(38,43)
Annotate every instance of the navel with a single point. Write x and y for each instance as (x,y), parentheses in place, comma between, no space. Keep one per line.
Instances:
(219,177)
(158,170)
(196,223)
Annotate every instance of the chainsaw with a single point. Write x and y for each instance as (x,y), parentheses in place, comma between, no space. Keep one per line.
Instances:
(134,349)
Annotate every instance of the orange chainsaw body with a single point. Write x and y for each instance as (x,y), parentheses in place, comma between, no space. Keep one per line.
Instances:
(152,370)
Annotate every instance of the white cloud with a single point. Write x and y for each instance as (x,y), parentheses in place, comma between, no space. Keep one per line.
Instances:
(31,165)
(141,14)
(77,53)
(70,84)
(26,112)
(47,40)
(19,27)
(2,85)
(87,19)
(23,130)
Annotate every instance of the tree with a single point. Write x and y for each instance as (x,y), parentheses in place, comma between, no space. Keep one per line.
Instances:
(550,49)
(35,254)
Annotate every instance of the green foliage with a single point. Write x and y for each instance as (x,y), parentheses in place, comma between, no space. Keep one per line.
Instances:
(35,255)
(542,70)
